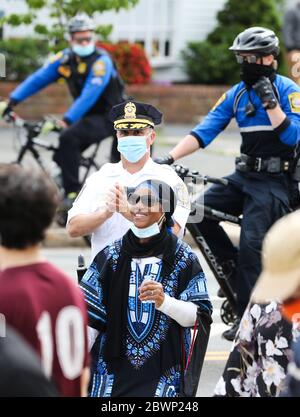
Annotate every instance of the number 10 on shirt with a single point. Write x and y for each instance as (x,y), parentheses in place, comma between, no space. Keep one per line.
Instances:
(69,341)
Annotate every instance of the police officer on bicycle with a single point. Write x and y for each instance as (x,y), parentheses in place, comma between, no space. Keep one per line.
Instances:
(266,107)
(95,85)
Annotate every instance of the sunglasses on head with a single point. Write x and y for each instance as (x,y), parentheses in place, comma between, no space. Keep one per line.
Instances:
(148,200)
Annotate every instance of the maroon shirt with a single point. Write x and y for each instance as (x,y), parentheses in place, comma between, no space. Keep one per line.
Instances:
(47,308)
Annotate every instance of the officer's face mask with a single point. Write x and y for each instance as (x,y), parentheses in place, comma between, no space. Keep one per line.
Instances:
(84,50)
(133,148)
(149,231)
(250,73)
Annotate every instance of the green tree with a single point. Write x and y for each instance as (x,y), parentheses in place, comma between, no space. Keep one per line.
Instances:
(60,11)
(23,56)
(210,62)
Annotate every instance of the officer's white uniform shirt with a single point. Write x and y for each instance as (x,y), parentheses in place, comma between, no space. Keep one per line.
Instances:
(93,196)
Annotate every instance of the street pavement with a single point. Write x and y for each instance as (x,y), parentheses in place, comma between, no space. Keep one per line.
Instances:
(216,160)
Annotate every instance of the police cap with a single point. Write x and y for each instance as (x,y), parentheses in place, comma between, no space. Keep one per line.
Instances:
(132,115)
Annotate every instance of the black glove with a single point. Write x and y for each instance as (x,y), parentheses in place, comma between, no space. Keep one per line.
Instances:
(167,159)
(264,90)
(6,108)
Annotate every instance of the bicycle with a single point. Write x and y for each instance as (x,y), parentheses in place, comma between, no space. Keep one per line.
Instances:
(228,311)
(31,144)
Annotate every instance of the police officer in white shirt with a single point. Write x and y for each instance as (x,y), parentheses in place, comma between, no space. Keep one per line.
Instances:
(101,208)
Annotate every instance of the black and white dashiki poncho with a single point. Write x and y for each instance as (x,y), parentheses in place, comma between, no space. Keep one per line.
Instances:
(154,342)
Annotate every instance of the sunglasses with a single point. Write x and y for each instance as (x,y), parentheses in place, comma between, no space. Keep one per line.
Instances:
(83,39)
(148,200)
(251,59)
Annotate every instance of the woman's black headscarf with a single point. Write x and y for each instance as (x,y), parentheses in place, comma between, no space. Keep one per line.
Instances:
(162,245)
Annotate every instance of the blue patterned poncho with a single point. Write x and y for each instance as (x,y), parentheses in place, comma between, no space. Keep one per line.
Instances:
(154,342)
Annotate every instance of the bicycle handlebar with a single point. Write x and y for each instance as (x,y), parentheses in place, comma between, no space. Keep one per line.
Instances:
(184,172)
(35,127)
(221,181)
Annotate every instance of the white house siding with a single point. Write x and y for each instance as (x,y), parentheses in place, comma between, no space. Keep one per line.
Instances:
(152,22)
(194,19)
(177,21)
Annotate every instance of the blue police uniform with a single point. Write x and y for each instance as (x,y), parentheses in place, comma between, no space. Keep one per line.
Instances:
(95,86)
(261,193)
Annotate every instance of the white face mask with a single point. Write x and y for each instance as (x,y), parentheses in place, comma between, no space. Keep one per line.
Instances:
(84,50)
(149,231)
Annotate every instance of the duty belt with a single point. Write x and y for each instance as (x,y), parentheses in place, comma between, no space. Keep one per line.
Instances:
(272,165)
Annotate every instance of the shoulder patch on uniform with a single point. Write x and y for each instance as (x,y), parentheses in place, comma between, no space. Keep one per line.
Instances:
(182,195)
(221,99)
(65,71)
(99,68)
(56,57)
(294,99)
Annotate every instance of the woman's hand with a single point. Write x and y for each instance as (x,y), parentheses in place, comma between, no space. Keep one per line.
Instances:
(152,291)
(116,201)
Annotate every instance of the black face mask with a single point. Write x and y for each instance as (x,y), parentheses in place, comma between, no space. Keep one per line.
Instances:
(250,73)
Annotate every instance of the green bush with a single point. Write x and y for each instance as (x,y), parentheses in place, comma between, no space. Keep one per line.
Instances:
(23,56)
(210,61)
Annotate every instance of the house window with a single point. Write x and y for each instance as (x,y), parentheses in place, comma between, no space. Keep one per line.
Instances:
(161,28)
(140,42)
(151,24)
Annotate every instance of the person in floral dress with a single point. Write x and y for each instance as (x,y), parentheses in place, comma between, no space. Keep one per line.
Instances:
(258,361)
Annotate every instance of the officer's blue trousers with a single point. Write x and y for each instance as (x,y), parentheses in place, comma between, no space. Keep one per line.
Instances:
(262,199)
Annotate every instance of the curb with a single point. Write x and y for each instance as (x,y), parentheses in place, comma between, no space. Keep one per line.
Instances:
(57,237)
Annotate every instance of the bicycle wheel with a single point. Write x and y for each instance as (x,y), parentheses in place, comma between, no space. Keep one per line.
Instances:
(228,316)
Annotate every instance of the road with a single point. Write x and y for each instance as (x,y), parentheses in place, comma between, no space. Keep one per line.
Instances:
(217,160)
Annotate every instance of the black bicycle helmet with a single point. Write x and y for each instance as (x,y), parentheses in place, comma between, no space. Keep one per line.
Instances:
(259,40)
(80,23)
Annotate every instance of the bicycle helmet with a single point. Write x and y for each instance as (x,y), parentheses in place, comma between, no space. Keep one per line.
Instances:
(259,40)
(80,23)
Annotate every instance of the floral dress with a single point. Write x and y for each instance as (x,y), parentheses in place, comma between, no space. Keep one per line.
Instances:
(260,354)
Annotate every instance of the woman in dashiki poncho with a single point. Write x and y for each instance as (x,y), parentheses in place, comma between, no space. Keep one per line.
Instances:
(142,294)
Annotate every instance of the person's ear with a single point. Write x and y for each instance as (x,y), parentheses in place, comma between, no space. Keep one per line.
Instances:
(152,137)
(268,60)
